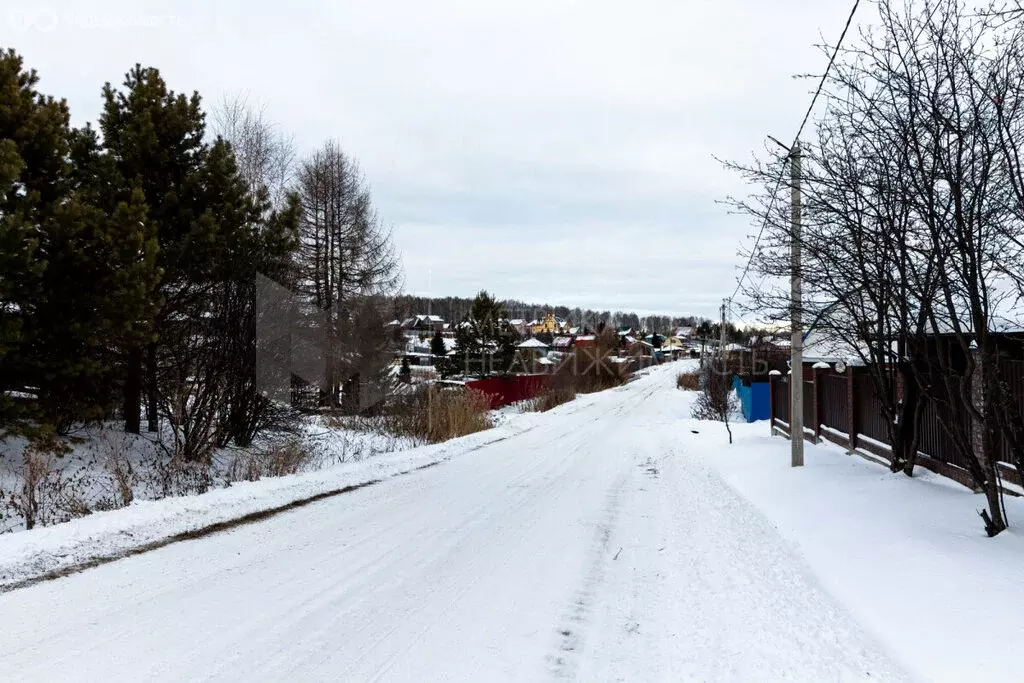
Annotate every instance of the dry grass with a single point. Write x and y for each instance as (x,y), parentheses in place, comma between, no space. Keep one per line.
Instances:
(688,381)
(287,457)
(36,472)
(552,398)
(45,496)
(278,459)
(431,415)
(451,414)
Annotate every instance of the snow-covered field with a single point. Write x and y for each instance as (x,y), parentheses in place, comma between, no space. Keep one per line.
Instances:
(602,541)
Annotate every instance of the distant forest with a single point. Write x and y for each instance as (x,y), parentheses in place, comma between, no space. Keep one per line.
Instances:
(454,308)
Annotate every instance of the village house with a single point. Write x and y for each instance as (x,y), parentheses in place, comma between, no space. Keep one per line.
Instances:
(521,327)
(562,344)
(421,325)
(533,348)
(550,325)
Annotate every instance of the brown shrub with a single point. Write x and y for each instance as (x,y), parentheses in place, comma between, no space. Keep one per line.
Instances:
(36,472)
(688,381)
(586,370)
(45,495)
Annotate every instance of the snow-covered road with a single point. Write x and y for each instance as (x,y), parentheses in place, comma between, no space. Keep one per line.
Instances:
(596,546)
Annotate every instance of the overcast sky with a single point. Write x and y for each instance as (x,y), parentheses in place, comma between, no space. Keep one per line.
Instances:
(547,150)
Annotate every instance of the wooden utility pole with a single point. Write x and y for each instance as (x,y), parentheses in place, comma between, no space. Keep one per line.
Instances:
(796,379)
(721,333)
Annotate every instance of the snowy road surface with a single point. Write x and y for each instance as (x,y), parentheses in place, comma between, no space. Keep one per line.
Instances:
(597,546)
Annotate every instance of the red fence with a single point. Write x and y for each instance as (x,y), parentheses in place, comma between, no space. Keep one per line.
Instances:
(502,391)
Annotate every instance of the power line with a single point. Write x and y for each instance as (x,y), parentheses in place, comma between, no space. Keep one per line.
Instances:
(799,132)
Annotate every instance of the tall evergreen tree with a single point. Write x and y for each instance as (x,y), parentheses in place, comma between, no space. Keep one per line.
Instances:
(33,148)
(216,230)
(484,341)
(84,292)
(155,138)
(437,347)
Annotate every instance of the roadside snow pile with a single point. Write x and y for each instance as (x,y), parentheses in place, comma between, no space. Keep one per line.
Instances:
(104,469)
(908,557)
(102,536)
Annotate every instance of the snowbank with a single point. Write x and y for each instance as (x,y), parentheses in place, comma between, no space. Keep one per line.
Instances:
(907,556)
(42,552)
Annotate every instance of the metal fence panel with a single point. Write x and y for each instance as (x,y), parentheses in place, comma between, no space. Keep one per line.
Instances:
(780,399)
(872,422)
(833,396)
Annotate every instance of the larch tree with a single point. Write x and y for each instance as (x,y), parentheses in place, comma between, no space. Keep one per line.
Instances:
(345,261)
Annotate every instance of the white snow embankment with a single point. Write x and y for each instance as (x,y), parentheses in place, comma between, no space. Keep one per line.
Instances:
(43,552)
(907,556)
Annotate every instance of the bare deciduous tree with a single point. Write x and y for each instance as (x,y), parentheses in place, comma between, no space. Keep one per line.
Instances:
(913,234)
(715,400)
(266,157)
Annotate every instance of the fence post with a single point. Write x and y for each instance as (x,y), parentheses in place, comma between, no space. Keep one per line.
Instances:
(816,394)
(851,410)
(771,404)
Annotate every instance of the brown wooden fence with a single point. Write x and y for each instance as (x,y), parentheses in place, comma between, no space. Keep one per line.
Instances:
(1013,374)
(843,408)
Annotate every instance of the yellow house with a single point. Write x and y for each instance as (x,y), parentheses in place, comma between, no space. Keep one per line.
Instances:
(548,324)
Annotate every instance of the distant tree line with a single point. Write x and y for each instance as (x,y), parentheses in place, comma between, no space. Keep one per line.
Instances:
(129,254)
(453,308)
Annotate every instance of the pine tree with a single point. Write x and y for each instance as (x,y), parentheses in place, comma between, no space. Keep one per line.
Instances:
(155,138)
(86,293)
(32,150)
(485,342)
(32,170)
(95,291)
(437,347)
(215,230)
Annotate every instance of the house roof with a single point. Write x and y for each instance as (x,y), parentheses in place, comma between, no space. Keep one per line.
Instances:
(533,343)
(560,342)
(820,346)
